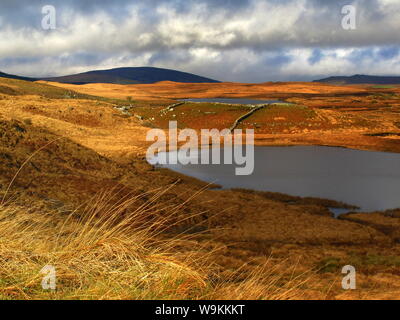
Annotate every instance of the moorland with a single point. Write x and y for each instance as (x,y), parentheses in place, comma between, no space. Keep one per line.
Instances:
(78,193)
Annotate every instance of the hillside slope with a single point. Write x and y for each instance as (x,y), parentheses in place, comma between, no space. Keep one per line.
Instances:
(144,75)
(11,76)
(73,158)
(361,79)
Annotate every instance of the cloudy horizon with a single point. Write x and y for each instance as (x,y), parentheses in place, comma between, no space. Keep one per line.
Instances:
(237,40)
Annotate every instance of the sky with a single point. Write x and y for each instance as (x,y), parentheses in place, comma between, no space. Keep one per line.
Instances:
(230,40)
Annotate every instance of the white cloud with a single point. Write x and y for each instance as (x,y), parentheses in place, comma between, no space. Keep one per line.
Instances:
(231,42)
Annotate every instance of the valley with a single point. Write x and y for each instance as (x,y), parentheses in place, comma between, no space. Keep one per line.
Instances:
(94,139)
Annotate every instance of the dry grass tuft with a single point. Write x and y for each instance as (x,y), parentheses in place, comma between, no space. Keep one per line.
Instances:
(101,251)
(112,248)
(266,282)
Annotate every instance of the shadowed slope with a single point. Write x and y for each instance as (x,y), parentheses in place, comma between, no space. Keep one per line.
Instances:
(11,76)
(144,75)
(361,79)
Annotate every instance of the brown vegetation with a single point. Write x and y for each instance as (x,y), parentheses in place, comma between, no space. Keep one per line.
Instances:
(277,242)
(323,114)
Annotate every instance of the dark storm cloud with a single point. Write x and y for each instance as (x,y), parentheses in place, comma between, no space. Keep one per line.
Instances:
(245,40)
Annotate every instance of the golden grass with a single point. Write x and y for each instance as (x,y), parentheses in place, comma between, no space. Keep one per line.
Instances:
(174,90)
(267,282)
(116,246)
(113,249)
(101,251)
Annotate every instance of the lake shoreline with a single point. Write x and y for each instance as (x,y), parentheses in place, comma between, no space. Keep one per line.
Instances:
(346,141)
(314,172)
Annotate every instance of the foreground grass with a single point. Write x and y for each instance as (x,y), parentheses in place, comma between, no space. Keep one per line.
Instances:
(113,250)
(97,254)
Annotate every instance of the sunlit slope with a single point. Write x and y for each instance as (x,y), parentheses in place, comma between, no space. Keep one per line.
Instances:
(174,90)
(78,145)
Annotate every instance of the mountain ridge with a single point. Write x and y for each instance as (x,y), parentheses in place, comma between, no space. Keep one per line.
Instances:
(360,79)
(12,76)
(131,75)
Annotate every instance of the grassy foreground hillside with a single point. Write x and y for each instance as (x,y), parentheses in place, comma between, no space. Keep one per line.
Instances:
(77,194)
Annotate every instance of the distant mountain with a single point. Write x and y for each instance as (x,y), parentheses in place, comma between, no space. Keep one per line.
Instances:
(361,79)
(143,75)
(11,76)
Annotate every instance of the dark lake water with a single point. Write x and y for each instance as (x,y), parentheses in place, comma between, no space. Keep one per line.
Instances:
(233,101)
(369,180)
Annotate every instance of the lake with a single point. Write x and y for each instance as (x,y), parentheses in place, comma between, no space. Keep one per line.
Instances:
(369,180)
(234,101)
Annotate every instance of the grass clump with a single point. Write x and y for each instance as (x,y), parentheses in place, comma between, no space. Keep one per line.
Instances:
(118,250)
(102,251)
